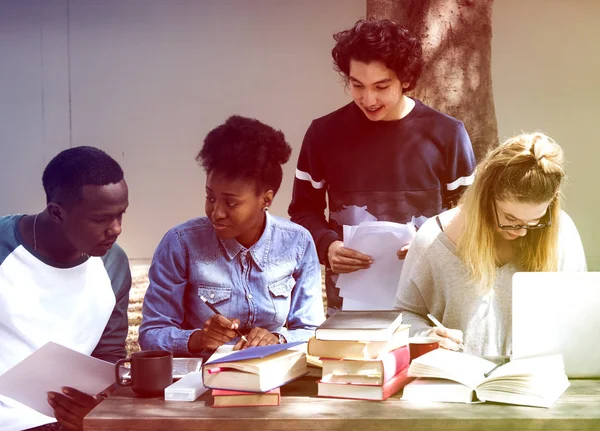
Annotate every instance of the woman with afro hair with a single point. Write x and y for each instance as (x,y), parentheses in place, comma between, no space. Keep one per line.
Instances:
(260,271)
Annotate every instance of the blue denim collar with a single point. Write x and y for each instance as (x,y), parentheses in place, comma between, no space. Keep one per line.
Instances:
(259,250)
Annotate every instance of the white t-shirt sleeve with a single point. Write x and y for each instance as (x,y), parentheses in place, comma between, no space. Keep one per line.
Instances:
(571,256)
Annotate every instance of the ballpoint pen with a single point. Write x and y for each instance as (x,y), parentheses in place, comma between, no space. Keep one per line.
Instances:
(212,307)
(439,325)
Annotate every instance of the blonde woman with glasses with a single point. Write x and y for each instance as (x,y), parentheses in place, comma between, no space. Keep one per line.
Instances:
(460,265)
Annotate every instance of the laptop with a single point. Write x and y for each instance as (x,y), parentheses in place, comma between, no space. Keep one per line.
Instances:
(558,312)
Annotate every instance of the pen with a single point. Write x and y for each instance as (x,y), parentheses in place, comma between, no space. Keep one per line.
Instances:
(212,307)
(504,361)
(439,325)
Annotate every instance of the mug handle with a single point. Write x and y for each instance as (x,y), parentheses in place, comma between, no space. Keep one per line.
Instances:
(121,381)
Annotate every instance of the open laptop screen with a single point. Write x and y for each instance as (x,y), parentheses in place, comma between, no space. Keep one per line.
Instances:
(558,312)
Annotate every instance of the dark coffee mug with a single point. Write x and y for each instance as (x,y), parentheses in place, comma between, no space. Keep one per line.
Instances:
(151,372)
(420,345)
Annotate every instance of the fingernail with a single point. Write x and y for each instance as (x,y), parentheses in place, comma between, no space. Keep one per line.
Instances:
(50,395)
(65,390)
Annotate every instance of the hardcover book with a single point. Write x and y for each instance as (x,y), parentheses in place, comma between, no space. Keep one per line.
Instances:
(359,350)
(252,371)
(372,371)
(327,388)
(373,325)
(223,398)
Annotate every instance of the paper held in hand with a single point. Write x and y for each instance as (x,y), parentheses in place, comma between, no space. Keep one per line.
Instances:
(50,368)
(381,240)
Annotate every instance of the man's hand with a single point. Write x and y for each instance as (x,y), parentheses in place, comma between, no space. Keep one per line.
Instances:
(403,252)
(71,406)
(451,339)
(217,331)
(344,260)
(257,337)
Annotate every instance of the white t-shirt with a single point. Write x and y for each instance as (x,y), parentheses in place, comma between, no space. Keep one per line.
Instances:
(74,306)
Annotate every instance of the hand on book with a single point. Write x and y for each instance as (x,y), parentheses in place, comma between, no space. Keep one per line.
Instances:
(451,339)
(257,337)
(343,260)
(71,406)
(217,331)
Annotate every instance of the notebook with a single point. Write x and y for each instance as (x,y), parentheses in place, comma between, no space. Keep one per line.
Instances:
(558,312)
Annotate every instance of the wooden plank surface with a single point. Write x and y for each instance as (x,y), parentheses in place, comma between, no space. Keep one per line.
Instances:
(300,409)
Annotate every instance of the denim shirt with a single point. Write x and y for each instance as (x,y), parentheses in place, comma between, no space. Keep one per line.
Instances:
(275,284)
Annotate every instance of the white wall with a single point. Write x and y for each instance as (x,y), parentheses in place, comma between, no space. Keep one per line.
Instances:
(545,76)
(147,81)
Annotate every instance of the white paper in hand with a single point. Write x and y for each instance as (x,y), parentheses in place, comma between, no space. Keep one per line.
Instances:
(374,288)
(50,368)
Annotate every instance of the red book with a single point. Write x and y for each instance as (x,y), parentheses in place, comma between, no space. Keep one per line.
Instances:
(224,398)
(364,392)
(369,371)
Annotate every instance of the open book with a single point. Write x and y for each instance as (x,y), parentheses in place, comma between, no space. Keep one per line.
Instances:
(538,381)
(252,370)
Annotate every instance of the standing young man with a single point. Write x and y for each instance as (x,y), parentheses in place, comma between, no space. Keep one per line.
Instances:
(385,156)
(63,279)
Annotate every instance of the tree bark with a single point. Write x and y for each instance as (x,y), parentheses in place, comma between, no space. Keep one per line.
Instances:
(457,78)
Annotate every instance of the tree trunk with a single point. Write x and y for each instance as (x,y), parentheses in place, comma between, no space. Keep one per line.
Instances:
(456,79)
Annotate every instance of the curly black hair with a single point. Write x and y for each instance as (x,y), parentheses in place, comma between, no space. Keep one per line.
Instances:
(66,174)
(379,40)
(244,148)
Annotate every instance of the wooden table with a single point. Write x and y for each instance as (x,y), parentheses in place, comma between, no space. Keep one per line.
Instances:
(300,409)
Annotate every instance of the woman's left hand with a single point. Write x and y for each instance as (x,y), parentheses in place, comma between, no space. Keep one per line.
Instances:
(257,337)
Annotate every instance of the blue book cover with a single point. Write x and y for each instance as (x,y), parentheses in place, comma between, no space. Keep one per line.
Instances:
(254,352)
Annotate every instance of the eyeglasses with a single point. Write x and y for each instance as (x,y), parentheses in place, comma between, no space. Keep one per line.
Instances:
(539,225)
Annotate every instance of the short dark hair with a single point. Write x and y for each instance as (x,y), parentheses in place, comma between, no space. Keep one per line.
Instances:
(379,40)
(244,148)
(71,169)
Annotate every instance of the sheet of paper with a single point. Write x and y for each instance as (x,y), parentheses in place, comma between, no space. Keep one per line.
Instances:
(374,288)
(50,368)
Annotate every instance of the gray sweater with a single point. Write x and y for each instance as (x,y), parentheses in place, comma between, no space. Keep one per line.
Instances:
(434,280)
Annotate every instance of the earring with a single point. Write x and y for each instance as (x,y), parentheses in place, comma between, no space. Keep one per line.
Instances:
(265,209)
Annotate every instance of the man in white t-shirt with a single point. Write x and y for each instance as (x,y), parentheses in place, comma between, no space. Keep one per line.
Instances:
(63,279)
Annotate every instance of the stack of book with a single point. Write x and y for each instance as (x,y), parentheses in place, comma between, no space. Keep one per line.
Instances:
(447,376)
(364,354)
(252,377)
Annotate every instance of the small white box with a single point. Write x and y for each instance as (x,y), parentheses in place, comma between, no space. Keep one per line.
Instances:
(189,388)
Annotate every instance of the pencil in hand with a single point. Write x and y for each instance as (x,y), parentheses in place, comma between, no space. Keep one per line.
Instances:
(212,307)
(439,325)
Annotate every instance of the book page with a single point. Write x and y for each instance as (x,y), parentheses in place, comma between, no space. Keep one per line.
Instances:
(446,364)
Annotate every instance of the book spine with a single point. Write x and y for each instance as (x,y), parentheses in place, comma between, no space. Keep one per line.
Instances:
(396,383)
(395,361)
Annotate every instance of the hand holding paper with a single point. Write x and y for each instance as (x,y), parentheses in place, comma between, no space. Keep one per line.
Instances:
(49,369)
(375,288)
(71,406)
(343,260)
